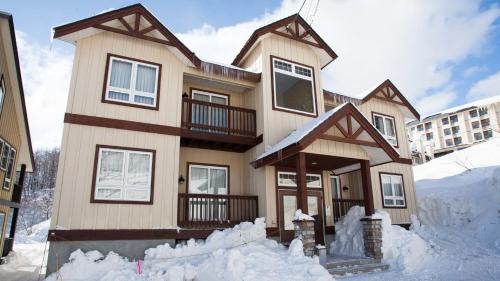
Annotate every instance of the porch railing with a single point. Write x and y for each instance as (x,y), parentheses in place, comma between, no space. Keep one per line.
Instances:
(342,206)
(215,211)
(218,118)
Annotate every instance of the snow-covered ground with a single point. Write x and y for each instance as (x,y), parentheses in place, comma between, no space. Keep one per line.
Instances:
(457,238)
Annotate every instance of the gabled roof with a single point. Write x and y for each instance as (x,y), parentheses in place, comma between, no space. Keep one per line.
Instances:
(293,27)
(356,129)
(388,92)
(25,154)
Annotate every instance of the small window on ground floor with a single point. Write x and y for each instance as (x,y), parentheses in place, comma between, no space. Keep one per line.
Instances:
(478,136)
(290,179)
(392,190)
(488,134)
(206,179)
(124,174)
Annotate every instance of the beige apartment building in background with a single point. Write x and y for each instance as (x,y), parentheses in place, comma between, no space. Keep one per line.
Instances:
(454,129)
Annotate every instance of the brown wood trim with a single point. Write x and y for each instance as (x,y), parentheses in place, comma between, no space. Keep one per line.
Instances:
(208,164)
(121,124)
(94,175)
(315,114)
(133,34)
(395,124)
(272,231)
(105,83)
(330,229)
(210,92)
(126,234)
(351,141)
(366,181)
(382,190)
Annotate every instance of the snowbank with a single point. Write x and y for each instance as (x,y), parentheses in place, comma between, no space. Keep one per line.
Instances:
(38,233)
(299,216)
(240,253)
(402,249)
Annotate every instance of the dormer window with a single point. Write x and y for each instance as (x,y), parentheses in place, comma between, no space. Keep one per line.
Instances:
(132,82)
(387,127)
(293,87)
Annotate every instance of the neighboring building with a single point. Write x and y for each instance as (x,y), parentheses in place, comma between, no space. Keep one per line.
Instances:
(16,154)
(160,146)
(454,129)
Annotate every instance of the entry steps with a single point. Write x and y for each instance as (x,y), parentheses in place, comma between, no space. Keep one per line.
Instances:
(342,266)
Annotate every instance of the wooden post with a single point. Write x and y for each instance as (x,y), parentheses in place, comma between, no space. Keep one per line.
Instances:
(301,182)
(367,187)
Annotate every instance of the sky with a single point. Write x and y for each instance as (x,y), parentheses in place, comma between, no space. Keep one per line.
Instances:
(439,53)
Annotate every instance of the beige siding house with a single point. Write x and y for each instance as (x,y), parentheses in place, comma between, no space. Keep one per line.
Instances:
(16,155)
(160,146)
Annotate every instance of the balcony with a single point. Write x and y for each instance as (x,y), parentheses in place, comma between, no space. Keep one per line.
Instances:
(202,211)
(218,126)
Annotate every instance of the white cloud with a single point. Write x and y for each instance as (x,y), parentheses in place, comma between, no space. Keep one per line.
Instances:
(413,43)
(433,103)
(487,87)
(473,70)
(46,74)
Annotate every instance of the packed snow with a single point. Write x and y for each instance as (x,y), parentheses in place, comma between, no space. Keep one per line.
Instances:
(299,216)
(240,253)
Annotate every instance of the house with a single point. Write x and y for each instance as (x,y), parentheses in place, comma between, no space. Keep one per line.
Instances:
(160,146)
(454,128)
(16,155)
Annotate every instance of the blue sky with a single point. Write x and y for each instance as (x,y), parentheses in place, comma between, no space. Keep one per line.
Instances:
(438,53)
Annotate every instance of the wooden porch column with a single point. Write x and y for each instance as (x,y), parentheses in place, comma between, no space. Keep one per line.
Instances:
(300,169)
(366,180)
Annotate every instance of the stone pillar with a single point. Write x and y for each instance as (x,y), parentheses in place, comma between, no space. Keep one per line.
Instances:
(304,230)
(372,236)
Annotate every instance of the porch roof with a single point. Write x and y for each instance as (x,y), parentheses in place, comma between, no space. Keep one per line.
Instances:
(353,125)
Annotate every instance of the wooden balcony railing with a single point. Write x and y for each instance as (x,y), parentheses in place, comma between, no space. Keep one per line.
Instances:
(218,118)
(342,206)
(215,211)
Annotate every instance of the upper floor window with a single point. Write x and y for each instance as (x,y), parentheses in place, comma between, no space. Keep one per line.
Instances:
(454,119)
(392,190)
(429,136)
(7,161)
(132,82)
(447,132)
(475,125)
(488,134)
(290,179)
(204,179)
(455,130)
(420,127)
(428,125)
(293,87)
(445,121)
(473,113)
(2,93)
(485,122)
(386,126)
(123,174)
(483,111)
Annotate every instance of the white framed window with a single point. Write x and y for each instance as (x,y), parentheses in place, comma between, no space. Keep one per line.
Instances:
(290,179)
(209,116)
(124,175)
(2,93)
(392,190)
(132,82)
(7,161)
(205,179)
(293,87)
(387,127)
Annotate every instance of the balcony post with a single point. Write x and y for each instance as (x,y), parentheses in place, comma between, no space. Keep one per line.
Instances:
(300,170)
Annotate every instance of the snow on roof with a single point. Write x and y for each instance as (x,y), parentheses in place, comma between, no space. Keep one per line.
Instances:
(477,103)
(227,65)
(301,132)
(367,91)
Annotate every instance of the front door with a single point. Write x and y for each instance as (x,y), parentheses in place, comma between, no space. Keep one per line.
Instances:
(288,205)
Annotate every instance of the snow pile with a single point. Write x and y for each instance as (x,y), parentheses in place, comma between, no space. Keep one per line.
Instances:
(459,194)
(402,249)
(349,234)
(299,216)
(240,253)
(37,233)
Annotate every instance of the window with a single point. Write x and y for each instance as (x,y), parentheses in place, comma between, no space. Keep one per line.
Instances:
(478,136)
(428,125)
(8,225)
(455,130)
(454,119)
(386,126)
(2,219)
(293,87)
(2,93)
(457,140)
(473,113)
(215,117)
(420,128)
(447,132)
(290,179)
(429,136)
(132,82)
(485,122)
(483,111)
(475,125)
(7,164)
(392,190)
(413,129)
(449,142)
(488,134)
(124,175)
(204,179)
(445,121)
(336,191)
